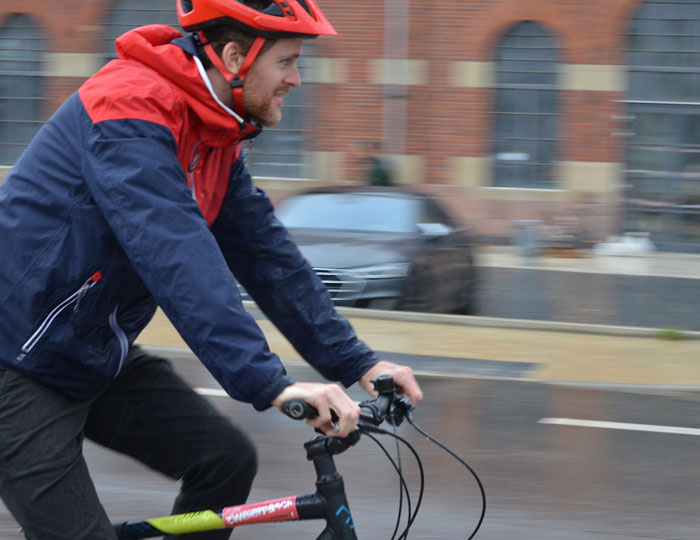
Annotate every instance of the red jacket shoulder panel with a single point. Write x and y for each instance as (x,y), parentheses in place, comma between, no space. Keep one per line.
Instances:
(124,89)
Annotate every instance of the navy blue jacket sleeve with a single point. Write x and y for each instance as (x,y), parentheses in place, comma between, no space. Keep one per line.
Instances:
(132,172)
(264,258)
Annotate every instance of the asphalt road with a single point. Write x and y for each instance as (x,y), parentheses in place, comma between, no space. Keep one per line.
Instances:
(593,298)
(543,480)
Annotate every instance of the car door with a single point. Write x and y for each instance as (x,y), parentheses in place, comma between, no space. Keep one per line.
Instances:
(450,258)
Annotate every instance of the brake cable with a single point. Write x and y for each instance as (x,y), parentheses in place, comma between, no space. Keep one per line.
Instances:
(412,516)
(408,496)
(409,417)
(395,410)
(403,487)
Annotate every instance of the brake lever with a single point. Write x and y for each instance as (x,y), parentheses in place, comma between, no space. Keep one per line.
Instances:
(399,409)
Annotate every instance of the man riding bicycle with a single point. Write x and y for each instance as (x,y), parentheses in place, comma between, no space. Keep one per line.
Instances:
(134,195)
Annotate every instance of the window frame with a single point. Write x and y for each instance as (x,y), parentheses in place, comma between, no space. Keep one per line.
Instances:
(660,175)
(526,160)
(29,76)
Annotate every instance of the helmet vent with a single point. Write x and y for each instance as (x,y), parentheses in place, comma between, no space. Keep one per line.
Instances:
(303,4)
(186,6)
(274,9)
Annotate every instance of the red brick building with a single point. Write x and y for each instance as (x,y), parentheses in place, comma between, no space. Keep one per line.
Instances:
(509,109)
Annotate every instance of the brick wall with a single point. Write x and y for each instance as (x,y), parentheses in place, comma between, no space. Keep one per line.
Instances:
(419,84)
(445,121)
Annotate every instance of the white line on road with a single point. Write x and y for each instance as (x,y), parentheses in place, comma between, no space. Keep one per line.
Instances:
(216,392)
(619,425)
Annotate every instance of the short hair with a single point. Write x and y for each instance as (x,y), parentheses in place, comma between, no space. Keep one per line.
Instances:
(219,36)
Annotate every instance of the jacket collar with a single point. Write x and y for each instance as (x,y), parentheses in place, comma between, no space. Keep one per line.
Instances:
(174,57)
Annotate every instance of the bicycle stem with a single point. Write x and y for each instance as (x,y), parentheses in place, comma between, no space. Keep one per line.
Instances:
(330,496)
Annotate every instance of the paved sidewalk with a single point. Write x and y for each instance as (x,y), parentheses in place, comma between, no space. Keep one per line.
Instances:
(476,346)
(660,264)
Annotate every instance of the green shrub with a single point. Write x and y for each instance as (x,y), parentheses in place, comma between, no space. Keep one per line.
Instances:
(670,333)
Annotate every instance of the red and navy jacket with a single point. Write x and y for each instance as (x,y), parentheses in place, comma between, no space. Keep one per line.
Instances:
(133,195)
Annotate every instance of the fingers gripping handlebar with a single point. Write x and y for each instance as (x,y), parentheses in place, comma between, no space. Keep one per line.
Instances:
(386,406)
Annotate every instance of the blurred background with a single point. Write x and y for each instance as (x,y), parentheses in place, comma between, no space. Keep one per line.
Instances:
(556,135)
(578,116)
(534,164)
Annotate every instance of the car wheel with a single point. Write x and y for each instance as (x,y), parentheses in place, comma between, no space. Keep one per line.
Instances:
(468,296)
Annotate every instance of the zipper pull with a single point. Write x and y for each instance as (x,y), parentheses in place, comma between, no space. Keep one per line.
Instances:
(91,281)
(190,171)
(193,163)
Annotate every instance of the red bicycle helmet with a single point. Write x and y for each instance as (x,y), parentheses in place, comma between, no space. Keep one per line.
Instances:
(278,19)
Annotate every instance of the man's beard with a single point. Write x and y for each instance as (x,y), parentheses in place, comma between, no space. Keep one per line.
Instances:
(263,110)
(266,113)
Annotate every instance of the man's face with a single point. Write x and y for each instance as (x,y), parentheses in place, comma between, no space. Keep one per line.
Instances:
(271,76)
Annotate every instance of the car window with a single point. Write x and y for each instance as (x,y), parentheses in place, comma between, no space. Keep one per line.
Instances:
(350,211)
(432,213)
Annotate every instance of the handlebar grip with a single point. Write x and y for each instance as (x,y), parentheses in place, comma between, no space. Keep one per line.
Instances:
(298,409)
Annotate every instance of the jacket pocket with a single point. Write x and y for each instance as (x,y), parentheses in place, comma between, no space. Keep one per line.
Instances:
(56,311)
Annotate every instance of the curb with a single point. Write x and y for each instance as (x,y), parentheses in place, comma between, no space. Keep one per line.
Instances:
(510,324)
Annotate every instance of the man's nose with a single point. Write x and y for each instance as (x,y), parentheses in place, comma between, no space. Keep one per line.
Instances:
(293,79)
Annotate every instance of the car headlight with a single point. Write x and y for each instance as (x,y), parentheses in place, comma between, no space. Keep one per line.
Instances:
(390,270)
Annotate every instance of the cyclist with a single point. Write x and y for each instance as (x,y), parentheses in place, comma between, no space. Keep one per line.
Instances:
(133,195)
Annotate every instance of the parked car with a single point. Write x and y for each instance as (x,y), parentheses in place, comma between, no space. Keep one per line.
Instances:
(383,248)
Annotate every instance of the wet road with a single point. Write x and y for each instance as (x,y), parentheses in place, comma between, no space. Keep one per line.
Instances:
(592,298)
(543,481)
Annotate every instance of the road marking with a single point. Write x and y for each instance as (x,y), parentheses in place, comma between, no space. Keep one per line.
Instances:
(216,392)
(620,425)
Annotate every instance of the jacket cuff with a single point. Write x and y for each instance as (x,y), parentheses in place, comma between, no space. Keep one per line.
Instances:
(360,369)
(272,390)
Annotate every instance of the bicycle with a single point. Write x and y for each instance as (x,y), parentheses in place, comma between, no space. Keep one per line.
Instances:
(329,502)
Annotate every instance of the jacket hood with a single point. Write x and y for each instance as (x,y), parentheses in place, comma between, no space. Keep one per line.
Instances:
(164,50)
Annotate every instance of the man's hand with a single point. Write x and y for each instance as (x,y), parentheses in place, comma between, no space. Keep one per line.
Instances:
(324,397)
(403,378)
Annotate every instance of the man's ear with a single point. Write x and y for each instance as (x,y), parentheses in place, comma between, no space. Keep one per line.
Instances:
(233,57)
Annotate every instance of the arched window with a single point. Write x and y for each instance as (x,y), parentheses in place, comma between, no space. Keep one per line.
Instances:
(21,46)
(524,141)
(663,101)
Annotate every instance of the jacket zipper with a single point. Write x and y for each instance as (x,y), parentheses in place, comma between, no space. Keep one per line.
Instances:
(46,323)
(121,336)
(194,159)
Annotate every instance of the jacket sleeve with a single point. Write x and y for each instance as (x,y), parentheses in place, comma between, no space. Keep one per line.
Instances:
(264,258)
(132,172)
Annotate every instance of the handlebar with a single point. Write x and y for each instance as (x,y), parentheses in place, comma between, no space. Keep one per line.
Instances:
(298,409)
(386,406)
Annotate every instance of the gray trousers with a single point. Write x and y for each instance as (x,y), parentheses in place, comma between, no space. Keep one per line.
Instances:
(148,413)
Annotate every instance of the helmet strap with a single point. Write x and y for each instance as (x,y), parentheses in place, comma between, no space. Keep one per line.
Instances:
(234,81)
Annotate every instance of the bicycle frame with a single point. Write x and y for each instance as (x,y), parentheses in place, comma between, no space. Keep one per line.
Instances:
(328,503)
